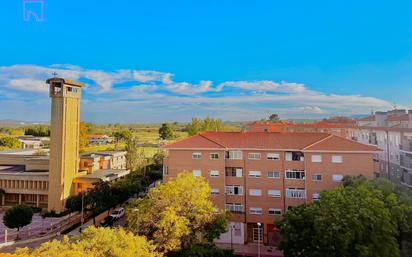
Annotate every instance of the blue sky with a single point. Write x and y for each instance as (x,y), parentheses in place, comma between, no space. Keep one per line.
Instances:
(152,61)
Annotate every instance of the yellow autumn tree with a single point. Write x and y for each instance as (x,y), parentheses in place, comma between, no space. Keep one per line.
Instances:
(83,141)
(96,242)
(175,214)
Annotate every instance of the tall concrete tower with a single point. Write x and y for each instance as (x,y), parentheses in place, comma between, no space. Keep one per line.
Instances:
(64,140)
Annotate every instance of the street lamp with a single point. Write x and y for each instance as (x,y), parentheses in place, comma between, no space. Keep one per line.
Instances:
(136,210)
(259,224)
(82,213)
(232,227)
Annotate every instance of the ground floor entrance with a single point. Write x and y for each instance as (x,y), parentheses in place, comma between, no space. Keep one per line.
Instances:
(255,233)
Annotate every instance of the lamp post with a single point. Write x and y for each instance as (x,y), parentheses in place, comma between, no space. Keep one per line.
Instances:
(259,224)
(82,213)
(232,227)
(136,210)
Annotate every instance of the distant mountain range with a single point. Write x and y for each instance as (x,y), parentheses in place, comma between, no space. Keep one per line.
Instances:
(12,123)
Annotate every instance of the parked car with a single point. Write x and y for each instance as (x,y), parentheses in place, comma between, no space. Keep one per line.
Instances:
(117,213)
(108,221)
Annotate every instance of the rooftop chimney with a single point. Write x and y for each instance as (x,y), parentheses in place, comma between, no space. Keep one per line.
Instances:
(380,118)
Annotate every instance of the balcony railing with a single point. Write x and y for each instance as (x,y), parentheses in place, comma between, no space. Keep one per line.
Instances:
(407,145)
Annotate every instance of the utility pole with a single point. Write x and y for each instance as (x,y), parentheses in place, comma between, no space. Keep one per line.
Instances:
(82,218)
(259,238)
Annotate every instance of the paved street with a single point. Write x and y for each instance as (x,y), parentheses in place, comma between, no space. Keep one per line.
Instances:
(251,250)
(38,227)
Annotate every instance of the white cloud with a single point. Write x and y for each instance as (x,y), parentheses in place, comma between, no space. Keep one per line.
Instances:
(154,96)
(190,89)
(266,86)
(27,84)
(146,76)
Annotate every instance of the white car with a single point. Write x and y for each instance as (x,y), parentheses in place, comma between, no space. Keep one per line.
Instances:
(117,213)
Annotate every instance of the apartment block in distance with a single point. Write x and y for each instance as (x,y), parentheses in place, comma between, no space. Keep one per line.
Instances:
(390,131)
(259,175)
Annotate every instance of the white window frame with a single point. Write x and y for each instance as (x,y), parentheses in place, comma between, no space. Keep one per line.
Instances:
(255,173)
(297,193)
(317,158)
(337,178)
(255,192)
(274,193)
(254,156)
(274,172)
(197,173)
(273,156)
(315,196)
(239,173)
(230,190)
(275,211)
(215,191)
(255,211)
(196,155)
(315,175)
(214,173)
(288,156)
(235,155)
(295,174)
(235,207)
(218,156)
(337,159)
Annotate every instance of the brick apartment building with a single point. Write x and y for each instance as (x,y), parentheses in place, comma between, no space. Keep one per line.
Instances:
(390,131)
(258,176)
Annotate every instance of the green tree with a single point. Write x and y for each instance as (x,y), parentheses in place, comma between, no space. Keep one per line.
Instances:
(174,214)
(123,135)
(218,226)
(398,199)
(96,242)
(166,131)
(208,124)
(201,250)
(99,199)
(274,118)
(17,217)
(345,222)
(10,142)
(135,157)
(74,203)
(38,131)
(194,127)
(83,140)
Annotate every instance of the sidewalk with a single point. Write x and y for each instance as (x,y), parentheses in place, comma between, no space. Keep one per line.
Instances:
(39,227)
(252,250)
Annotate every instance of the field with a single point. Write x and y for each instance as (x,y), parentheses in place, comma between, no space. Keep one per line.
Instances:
(147,135)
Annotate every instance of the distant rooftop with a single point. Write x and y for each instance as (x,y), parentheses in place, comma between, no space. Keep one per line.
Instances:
(20,152)
(105,175)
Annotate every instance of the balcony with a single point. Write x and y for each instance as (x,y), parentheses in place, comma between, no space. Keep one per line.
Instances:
(406,161)
(407,145)
(295,156)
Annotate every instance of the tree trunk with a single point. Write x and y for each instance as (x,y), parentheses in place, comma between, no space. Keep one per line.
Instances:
(17,237)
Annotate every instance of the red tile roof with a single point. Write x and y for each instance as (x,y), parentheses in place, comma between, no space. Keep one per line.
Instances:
(197,141)
(404,117)
(340,144)
(265,140)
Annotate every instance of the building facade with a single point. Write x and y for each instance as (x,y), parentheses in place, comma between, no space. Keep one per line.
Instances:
(390,131)
(258,176)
